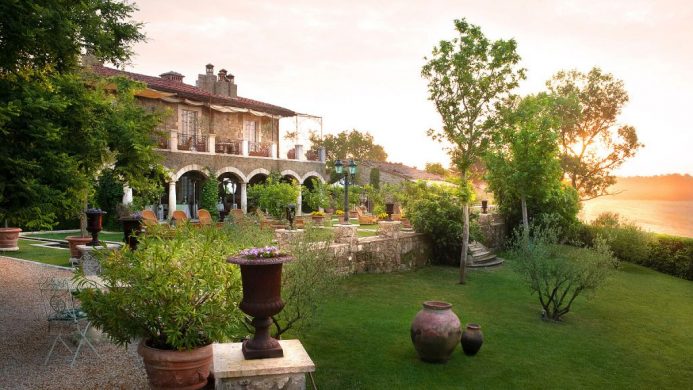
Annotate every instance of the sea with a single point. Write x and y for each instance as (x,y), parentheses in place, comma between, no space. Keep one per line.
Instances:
(673,217)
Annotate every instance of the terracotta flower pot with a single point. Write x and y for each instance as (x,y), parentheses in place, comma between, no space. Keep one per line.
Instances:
(318,219)
(73,241)
(262,282)
(472,338)
(9,238)
(176,369)
(435,331)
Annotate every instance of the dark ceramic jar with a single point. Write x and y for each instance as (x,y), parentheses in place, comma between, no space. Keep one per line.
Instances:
(472,338)
(435,331)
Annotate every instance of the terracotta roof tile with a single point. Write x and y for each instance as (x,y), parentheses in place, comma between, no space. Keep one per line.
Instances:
(194,93)
(405,171)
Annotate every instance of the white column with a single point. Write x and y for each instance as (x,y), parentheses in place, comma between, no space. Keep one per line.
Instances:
(171,198)
(127,195)
(173,140)
(244,197)
(211,143)
(273,149)
(322,154)
(244,147)
(299,203)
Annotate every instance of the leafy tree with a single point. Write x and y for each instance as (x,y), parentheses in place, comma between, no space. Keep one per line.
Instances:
(524,164)
(273,196)
(468,79)
(317,197)
(109,193)
(59,131)
(348,145)
(593,144)
(51,34)
(374,179)
(436,169)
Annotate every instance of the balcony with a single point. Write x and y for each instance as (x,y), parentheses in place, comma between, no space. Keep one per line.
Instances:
(193,143)
(228,146)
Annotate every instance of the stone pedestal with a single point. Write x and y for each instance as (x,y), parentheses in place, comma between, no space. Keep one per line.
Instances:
(345,234)
(285,237)
(389,229)
(233,372)
(91,256)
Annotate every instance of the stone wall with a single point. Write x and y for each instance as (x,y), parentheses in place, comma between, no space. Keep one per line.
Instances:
(408,251)
(493,231)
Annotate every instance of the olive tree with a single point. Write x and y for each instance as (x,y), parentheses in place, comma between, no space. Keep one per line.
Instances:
(469,77)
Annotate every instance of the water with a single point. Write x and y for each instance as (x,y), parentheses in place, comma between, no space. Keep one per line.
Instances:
(660,216)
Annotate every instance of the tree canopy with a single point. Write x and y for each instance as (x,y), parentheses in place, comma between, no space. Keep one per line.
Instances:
(436,169)
(469,77)
(592,142)
(51,34)
(349,144)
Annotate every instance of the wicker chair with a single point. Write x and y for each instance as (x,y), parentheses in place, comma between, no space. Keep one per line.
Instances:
(179,217)
(204,217)
(366,219)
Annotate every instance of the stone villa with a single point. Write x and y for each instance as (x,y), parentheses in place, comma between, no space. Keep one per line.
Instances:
(210,126)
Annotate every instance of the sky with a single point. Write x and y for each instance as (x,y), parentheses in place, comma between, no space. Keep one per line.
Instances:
(357,64)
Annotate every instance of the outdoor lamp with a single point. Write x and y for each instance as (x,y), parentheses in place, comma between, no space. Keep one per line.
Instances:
(338,167)
(352,167)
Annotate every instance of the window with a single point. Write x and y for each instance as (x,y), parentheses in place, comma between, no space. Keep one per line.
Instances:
(250,132)
(189,127)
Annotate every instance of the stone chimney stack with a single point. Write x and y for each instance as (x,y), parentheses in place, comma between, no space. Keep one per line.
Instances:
(221,84)
(173,76)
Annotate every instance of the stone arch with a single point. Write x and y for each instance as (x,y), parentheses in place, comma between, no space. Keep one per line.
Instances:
(188,168)
(257,171)
(312,174)
(289,172)
(233,170)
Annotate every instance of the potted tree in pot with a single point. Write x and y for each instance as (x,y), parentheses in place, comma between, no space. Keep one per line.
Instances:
(176,295)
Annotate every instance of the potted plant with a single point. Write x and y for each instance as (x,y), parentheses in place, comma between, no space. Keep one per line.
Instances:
(176,295)
(261,272)
(318,217)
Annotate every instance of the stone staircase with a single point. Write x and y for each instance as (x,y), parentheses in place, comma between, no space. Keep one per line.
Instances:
(482,257)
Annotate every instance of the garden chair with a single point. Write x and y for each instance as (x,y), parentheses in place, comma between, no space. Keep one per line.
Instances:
(204,217)
(149,218)
(365,219)
(61,309)
(179,217)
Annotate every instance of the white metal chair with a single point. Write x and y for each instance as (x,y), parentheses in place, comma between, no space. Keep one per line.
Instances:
(61,308)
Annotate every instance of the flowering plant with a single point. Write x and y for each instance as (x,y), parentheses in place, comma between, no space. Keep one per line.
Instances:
(382,216)
(318,213)
(260,253)
(340,212)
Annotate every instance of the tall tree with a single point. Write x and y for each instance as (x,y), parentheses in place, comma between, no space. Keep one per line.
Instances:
(468,79)
(51,34)
(436,169)
(348,144)
(592,142)
(524,162)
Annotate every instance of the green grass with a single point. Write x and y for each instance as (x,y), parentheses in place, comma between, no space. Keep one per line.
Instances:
(106,236)
(635,333)
(27,251)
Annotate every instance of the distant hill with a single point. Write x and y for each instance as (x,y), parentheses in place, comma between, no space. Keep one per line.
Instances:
(664,187)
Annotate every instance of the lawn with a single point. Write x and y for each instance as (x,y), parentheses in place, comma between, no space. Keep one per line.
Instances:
(106,236)
(27,251)
(634,333)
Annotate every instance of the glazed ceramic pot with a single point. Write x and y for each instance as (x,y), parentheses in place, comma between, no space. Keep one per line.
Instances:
(435,331)
(472,338)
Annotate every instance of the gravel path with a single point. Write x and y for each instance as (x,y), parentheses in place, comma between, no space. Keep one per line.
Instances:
(25,341)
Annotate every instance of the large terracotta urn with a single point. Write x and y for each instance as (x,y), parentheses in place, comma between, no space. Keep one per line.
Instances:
(435,331)
(176,369)
(73,241)
(262,281)
(8,238)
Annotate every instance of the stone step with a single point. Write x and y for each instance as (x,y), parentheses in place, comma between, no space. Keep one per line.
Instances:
(480,252)
(495,263)
(481,259)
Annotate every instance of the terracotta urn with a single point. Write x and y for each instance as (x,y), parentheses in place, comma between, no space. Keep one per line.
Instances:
(435,331)
(176,369)
(94,224)
(472,338)
(8,238)
(262,281)
(73,241)
(318,219)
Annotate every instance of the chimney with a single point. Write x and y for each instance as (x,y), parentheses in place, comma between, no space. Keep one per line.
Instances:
(210,69)
(222,74)
(173,76)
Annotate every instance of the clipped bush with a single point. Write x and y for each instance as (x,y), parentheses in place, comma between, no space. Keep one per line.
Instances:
(671,255)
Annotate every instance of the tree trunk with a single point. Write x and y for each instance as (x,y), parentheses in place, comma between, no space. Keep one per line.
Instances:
(465,245)
(525,220)
(83,220)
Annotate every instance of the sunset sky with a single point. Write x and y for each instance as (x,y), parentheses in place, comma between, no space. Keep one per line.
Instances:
(357,63)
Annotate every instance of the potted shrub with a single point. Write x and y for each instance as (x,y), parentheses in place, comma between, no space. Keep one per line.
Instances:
(176,295)
(318,217)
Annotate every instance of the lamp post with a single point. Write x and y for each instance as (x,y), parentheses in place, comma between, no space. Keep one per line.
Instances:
(350,171)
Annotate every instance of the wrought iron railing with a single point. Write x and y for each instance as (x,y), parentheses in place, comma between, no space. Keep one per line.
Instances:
(193,143)
(228,146)
(259,149)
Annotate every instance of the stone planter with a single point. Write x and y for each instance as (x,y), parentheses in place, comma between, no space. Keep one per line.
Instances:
(9,238)
(472,338)
(176,369)
(435,332)
(261,280)
(318,219)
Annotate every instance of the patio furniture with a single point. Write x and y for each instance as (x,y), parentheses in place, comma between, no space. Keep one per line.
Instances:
(204,217)
(365,219)
(149,218)
(61,309)
(178,217)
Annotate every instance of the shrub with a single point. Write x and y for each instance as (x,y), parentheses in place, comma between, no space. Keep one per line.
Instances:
(438,213)
(317,197)
(274,196)
(627,240)
(210,195)
(109,194)
(671,255)
(558,274)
